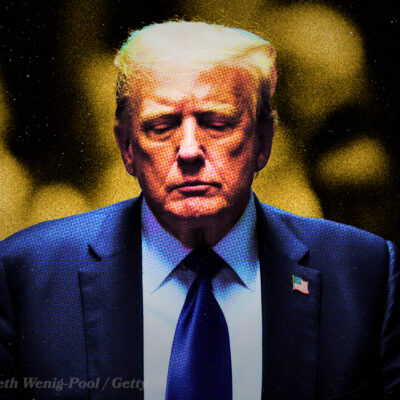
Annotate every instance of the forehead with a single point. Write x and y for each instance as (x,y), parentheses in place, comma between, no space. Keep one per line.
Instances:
(177,87)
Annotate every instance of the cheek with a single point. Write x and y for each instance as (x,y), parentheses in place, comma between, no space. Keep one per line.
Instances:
(235,158)
(151,161)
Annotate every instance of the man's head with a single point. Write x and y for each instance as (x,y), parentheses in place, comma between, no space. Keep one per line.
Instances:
(194,121)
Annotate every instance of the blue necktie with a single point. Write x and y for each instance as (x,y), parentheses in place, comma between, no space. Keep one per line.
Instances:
(200,362)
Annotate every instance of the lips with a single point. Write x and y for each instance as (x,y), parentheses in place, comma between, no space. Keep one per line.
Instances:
(194,185)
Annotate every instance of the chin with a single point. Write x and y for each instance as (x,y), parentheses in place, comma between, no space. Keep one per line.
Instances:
(197,210)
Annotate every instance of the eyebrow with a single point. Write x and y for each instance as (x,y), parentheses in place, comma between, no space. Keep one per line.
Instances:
(221,108)
(160,111)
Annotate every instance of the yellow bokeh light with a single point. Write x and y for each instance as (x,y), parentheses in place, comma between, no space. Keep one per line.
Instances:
(15,193)
(56,201)
(284,182)
(15,182)
(325,60)
(4,114)
(364,161)
(321,37)
(98,77)
(229,12)
(115,184)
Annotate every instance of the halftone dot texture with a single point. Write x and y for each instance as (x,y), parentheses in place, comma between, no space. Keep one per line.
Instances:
(239,250)
(200,363)
(197,46)
(166,284)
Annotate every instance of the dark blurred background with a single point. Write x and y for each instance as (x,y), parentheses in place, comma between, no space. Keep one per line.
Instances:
(337,150)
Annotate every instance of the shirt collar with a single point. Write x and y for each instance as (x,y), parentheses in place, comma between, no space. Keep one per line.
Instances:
(239,247)
(164,252)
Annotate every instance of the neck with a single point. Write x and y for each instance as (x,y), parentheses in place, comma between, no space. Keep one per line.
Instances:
(203,232)
(201,236)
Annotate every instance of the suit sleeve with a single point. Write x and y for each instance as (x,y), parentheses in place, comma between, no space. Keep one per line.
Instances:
(390,343)
(8,364)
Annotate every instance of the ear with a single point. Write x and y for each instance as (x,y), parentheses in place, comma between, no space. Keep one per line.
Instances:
(124,142)
(264,133)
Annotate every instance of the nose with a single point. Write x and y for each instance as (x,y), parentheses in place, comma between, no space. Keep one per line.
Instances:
(190,150)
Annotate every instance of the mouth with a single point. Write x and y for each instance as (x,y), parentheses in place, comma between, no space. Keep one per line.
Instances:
(194,186)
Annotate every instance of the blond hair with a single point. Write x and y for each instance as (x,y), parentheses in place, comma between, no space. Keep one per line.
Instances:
(197,45)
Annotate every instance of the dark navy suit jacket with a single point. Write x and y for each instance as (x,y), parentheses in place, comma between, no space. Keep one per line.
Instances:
(71,307)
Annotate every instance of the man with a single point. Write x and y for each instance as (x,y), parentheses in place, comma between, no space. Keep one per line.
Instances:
(195,288)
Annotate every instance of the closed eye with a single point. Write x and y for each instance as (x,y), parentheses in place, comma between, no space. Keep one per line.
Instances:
(217,122)
(161,125)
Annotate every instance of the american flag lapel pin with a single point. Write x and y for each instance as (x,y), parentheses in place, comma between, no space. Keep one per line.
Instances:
(300,284)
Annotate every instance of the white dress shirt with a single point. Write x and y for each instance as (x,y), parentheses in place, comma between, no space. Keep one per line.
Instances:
(236,288)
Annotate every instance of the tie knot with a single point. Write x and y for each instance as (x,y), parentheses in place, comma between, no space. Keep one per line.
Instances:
(206,263)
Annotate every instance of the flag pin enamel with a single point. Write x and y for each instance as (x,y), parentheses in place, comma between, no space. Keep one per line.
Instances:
(300,284)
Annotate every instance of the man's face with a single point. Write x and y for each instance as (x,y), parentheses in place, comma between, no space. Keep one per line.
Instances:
(194,146)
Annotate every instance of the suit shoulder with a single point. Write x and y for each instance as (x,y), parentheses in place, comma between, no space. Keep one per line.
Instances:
(59,232)
(319,231)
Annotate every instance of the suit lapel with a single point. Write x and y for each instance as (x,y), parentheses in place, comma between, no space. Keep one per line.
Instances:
(111,290)
(289,318)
